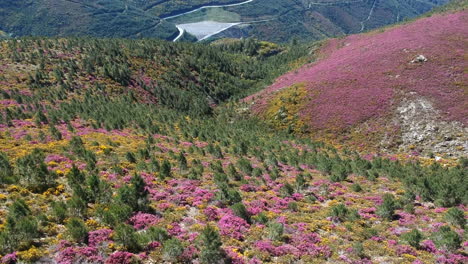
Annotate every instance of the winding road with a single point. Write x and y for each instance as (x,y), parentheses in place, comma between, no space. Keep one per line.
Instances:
(204,7)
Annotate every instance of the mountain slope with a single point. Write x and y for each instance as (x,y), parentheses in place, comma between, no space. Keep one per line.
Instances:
(371,89)
(275,20)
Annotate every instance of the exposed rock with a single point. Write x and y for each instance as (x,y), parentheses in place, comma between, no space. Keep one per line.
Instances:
(419,59)
(423,130)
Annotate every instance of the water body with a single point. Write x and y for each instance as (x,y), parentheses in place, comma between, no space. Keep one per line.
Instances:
(207,28)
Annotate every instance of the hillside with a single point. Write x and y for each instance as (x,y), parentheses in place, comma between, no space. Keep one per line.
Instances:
(124,151)
(401,88)
(271,20)
(103,160)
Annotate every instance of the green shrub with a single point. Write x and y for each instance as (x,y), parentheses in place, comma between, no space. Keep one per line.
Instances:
(447,239)
(275,231)
(387,209)
(356,187)
(261,218)
(338,173)
(55,132)
(127,236)
(33,172)
(172,249)
(157,234)
(244,166)
(286,190)
(77,230)
(358,250)
(59,211)
(339,212)
(240,210)
(456,217)
(233,174)
(135,195)
(77,206)
(117,213)
(413,238)
(165,170)
(6,170)
(300,182)
(130,157)
(228,195)
(211,251)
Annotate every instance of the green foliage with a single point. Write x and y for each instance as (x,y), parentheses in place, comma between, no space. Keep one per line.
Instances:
(33,173)
(135,195)
(130,157)
(240,210)
(116,213)
(244,166)
(356,187)
(182,161)
(339,212)
(358,250)
(55,132)
(228,195)
(387,209)
(300,182)
(456,217)
(59,211)
(413,238)
(77,230)
(99,190)
(157,234)
(275,231)
(165,170)
(286,190)
(127,237)
(447,239)
(211,251)
(172,249)
(338,173)
(6,170)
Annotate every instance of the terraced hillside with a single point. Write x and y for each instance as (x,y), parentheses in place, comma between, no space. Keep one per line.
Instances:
(274,20)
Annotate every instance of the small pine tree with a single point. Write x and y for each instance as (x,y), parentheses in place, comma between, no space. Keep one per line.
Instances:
(182,161)
(77,230)
(6,170)
(240,210)
(413,238)
(211,251)
(172,249)
(127,236)
(447,239)
(130,157)
(55,132)
(275,231)
(456,217)
(165,170)
(387,209)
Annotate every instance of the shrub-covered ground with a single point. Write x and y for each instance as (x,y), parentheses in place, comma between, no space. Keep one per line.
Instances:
(99,166)
(361,80)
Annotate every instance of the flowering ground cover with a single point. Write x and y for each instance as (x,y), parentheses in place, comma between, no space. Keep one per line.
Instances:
(361,79)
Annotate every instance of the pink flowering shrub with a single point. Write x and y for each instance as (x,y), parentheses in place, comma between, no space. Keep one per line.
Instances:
(98,236)
(11,258)
(143,220)
(233,226)
(120,257)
